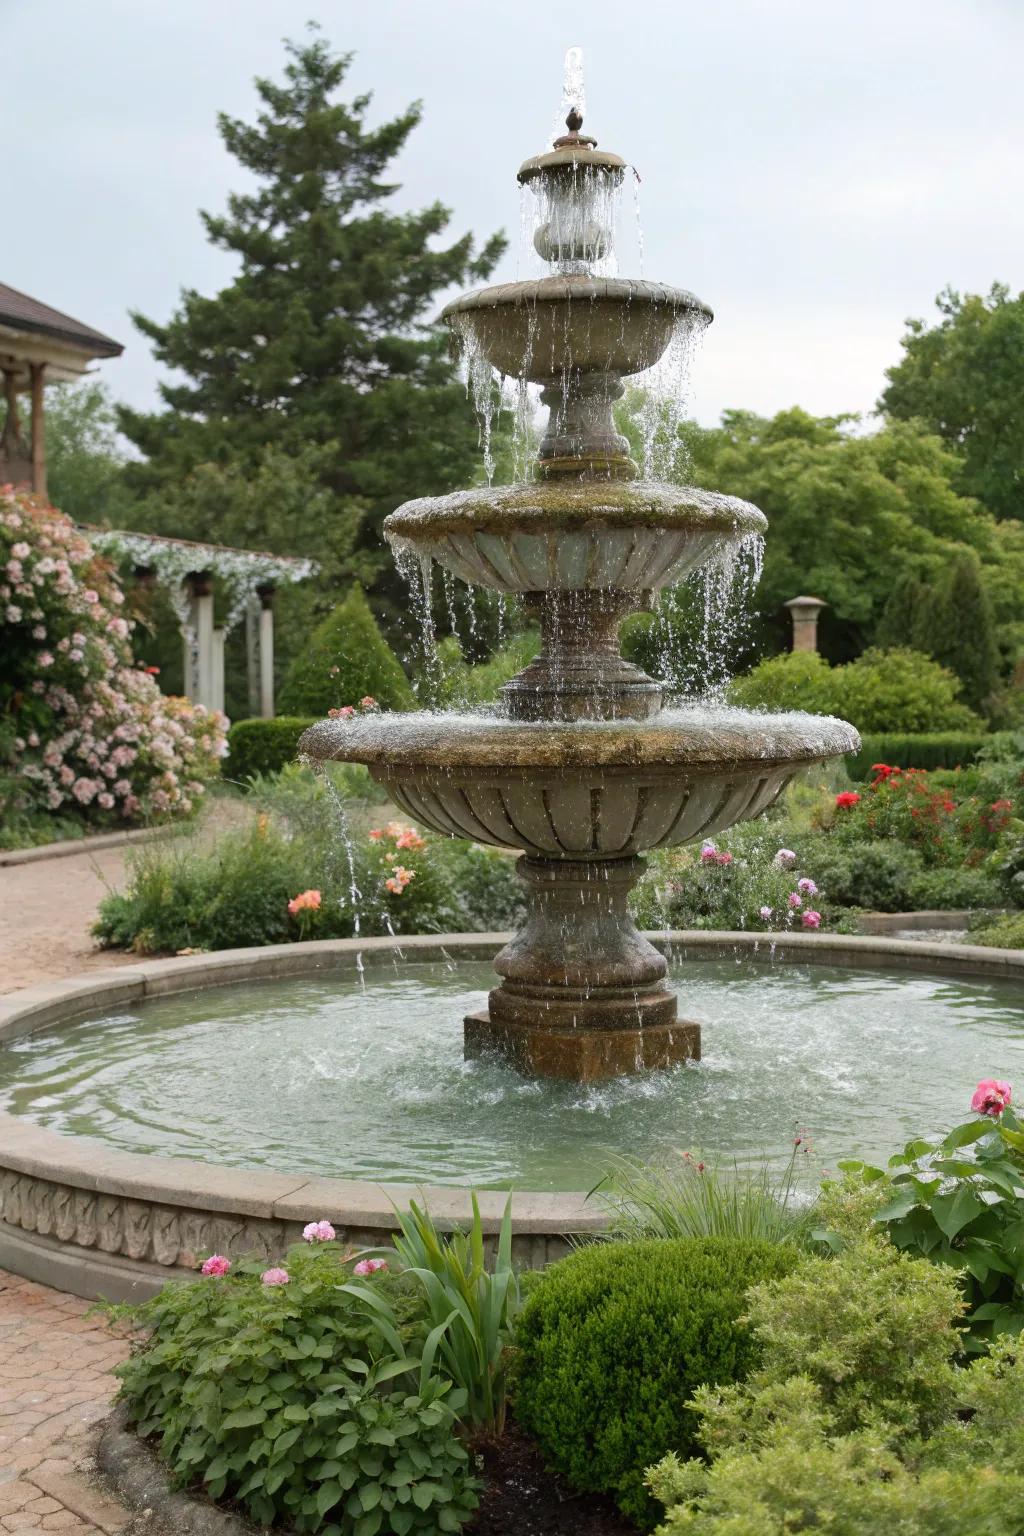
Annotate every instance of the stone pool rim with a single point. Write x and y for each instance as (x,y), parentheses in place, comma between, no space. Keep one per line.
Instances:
(103,1223)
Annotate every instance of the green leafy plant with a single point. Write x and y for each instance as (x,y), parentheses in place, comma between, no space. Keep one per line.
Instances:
(612,1342)
(959,1201)
(476,1305)
(309,1400)
(186,894)
(948,749)
(694,1196)
(346,659)
(881,691)
(264,746)
(1001,932)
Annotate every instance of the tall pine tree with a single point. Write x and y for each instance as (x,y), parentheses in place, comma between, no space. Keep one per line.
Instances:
(323,346)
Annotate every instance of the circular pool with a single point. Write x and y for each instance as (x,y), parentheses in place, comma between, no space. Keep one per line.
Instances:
(262,1084)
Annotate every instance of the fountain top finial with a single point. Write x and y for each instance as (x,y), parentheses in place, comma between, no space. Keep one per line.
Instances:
(574,122)
(570,150)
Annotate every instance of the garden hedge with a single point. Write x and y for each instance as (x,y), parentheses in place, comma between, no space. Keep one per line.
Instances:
(947,749)
(263,746)
(614,1340)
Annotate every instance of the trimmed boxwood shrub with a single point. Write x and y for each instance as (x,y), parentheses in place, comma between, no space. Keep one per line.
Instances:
(615,1339)
(345,659)
(263,746)
(945,749)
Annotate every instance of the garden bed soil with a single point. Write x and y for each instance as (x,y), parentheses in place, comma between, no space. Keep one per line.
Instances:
(522,1498)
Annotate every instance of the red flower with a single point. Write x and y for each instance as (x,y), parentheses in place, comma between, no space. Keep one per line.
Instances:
(848,798)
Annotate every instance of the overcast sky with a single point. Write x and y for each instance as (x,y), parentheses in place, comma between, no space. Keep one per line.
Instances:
(816,170)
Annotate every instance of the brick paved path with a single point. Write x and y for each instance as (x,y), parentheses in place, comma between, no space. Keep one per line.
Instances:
(55,1384)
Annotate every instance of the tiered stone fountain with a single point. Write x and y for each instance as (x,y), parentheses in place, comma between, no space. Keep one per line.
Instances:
(580,766)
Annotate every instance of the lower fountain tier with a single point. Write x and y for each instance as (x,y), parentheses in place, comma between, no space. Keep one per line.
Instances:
(586,790)
(571,535)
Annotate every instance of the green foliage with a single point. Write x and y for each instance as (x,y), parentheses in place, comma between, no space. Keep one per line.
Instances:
(856,1420)
(694,1196)
(346,659)
(263,746)
(850,513)
(932,750)
(1001,932)
(877,876)
(458,685)
(962,377)
(882,691)
(186,894)
(852,1485)
(476,1305)
(84,460)
(959,1201)
(322,346)
(312,1403)
(614,1339)
(949,619)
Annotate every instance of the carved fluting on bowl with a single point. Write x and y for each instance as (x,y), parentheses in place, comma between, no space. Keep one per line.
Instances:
(590,789)
(572,537)
(543,329)
(596,816)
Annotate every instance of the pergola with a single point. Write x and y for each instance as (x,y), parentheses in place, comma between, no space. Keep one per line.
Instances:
(189,571)
(38,346)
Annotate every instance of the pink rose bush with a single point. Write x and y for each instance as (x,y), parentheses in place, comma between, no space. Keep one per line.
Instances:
(216,1265)
(84,729)
(370,1267)
(753,886)
(318,1232)
(274,1276)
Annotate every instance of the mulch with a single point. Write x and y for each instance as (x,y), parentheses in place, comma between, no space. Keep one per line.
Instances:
(523,1498)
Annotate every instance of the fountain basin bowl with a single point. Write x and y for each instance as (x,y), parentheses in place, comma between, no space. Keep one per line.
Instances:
(587,790)
(569,536)
(551,327)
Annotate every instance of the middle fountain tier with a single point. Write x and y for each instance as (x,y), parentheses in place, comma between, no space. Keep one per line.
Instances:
(581,767)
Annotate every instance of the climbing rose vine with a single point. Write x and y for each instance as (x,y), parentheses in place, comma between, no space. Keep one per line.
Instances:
(83,729)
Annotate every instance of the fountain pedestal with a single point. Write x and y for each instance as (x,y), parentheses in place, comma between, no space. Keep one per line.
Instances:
(583,993)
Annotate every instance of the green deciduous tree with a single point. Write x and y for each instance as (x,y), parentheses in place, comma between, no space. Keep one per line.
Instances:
(964,378)
(322,346)
(84,461)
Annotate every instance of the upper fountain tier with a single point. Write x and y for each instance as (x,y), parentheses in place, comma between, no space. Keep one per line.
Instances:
(576,333)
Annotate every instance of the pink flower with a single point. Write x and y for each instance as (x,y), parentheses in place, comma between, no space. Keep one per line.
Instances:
(341,714)
(991,1097)
(847,800)
(723,858)
(90,596)
(275,1277)
(217,1265)
(810,919)
(709,854)
(785,858)
(369,1267)
(794,900)
(411,840)
(306,901)
(766,914)
(808,887)
(319,1232)
(369,702)
(375,834)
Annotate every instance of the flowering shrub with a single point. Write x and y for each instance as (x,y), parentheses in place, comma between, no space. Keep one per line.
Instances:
(906,805)
(312,1401)
(301,869)
(757,886)
(959,1200)
(84,729)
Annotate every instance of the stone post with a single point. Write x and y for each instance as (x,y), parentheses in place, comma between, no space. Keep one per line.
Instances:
(218,638)
(253,610)
(266,651)
(198,638)
(804,613)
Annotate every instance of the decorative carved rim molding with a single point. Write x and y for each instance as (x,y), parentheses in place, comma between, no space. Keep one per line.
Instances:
(100,1222)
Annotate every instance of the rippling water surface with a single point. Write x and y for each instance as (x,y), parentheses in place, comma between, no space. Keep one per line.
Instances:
(366,1079)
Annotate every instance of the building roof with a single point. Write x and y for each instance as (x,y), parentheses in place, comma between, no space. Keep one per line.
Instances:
(20,312)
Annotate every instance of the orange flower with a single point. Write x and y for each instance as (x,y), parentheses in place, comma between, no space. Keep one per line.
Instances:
(306,901)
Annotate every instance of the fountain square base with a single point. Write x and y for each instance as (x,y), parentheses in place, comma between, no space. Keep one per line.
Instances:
(581,1055)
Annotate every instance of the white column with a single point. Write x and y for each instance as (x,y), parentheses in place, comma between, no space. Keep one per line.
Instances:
(266,638)
(217,670)
(252,652)
(199,640)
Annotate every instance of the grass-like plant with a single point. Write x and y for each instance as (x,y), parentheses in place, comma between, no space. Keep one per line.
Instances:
(693,1196)
(476,1304)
